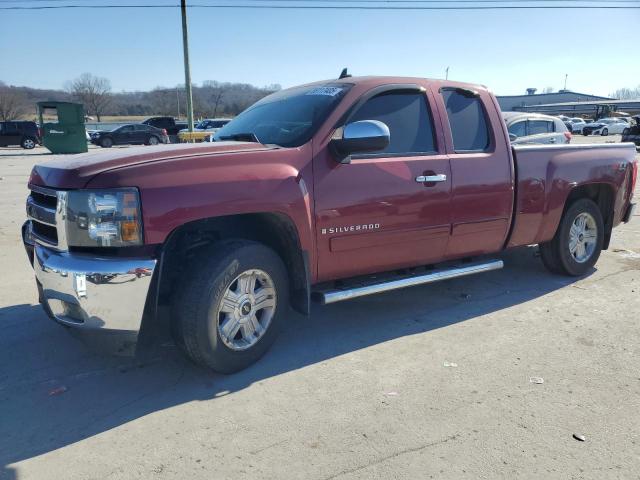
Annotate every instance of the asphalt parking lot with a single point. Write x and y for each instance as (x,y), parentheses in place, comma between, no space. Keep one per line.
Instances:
(428,382)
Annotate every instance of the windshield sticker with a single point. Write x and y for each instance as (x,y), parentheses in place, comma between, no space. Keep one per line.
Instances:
(330,91)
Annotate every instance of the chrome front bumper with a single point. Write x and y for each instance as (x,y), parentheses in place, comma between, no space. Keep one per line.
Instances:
(93,293)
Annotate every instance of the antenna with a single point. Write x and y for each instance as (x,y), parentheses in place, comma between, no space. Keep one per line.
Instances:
(344,74)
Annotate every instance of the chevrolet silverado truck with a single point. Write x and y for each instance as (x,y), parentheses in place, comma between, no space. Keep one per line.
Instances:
(328,191)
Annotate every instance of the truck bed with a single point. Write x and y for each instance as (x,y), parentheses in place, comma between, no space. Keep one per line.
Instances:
(545,174)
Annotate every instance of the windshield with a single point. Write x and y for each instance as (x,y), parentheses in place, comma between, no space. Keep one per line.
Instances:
(288,118)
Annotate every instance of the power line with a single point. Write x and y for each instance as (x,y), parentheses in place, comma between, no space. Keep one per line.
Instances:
(332,7)
(604,2)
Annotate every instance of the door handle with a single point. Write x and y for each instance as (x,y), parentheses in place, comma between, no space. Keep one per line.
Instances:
(431,178)
(552,140)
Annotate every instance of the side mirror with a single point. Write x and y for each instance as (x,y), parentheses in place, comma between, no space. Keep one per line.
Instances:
(512,137)
(360,137)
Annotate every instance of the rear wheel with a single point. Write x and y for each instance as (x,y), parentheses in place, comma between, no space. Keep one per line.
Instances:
(28,143)
(577,244)
(232,305)
(106,142)
(604,132)
(153,140)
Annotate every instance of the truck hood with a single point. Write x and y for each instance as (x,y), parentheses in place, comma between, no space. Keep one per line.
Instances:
(72,172)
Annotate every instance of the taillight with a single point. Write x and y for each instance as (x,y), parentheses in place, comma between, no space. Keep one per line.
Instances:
(568,136)
(39,132)
(634,176)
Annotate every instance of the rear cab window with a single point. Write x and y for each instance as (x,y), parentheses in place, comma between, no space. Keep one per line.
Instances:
(467,120)
(408,116)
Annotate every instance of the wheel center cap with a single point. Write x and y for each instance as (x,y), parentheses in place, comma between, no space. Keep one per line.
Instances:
(245,309)
(581,237)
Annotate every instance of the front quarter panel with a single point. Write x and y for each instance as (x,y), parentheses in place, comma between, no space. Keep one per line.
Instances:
(179,190)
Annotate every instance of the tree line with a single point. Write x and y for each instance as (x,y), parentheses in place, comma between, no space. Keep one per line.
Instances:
(210,99)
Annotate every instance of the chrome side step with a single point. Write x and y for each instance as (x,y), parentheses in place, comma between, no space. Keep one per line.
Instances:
(338,295)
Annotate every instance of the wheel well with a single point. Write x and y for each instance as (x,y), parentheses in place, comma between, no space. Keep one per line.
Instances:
(603,196)
(277,231)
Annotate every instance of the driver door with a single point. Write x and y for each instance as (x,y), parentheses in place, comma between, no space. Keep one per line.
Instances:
(374,214)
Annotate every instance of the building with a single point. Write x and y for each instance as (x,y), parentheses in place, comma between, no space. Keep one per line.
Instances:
(513,102)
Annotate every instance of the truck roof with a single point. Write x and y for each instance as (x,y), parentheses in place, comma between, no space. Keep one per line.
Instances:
(373,81)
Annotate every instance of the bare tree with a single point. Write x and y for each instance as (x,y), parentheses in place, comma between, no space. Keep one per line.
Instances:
(94,92)
(626,93)
(12,103)
(214,92)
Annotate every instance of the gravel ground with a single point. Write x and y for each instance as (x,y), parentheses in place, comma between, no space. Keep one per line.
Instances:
(428,382)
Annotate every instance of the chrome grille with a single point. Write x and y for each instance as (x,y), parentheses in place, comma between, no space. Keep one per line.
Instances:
(44,207)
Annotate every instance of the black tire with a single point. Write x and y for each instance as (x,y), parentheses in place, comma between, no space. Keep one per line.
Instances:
(585,133)
(28,143)
(106,142)
(195,310)
(153,140)
(556,255)
(605,132)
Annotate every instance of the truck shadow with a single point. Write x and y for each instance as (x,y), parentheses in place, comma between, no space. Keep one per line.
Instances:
(54,392)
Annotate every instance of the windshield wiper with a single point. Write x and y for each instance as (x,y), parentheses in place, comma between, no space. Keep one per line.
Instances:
(241,137)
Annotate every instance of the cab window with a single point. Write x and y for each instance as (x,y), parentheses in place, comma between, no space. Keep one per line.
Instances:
(467,120)
(407,115)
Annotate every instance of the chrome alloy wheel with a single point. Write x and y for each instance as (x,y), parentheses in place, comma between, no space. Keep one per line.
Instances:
(29,144)
(583,237)
(246,309)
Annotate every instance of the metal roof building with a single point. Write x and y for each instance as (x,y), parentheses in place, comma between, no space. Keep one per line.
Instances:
(516,102)
(591,108)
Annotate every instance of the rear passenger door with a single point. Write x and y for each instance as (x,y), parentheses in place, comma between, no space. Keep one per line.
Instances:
(125,135)
(141,133)
(481,172)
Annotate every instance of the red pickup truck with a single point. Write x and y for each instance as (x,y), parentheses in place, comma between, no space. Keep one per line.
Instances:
(303,196)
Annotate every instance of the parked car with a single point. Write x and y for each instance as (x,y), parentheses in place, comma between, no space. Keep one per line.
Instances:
(605,126)
(632,132)
(529,128)
(577,124)
(170,124)
(132,134)
(203,129)
(25,134)
(328,191)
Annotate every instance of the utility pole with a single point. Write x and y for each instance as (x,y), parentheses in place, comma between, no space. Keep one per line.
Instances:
(446,74)
(187,69)
(565,80)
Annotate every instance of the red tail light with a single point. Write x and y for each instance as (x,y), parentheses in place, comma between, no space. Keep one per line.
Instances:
(634,176)
(568,136)
(39,132)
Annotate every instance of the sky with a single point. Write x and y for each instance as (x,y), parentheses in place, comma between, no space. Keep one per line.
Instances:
(140,49)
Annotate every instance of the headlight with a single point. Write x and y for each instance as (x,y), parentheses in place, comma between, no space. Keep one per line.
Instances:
(103,218)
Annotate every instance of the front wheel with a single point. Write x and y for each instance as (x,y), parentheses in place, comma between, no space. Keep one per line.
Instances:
(231,305)
(577,244)
(106,142)
(604,132)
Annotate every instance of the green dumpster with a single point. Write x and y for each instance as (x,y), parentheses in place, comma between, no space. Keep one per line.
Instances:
(66,133)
